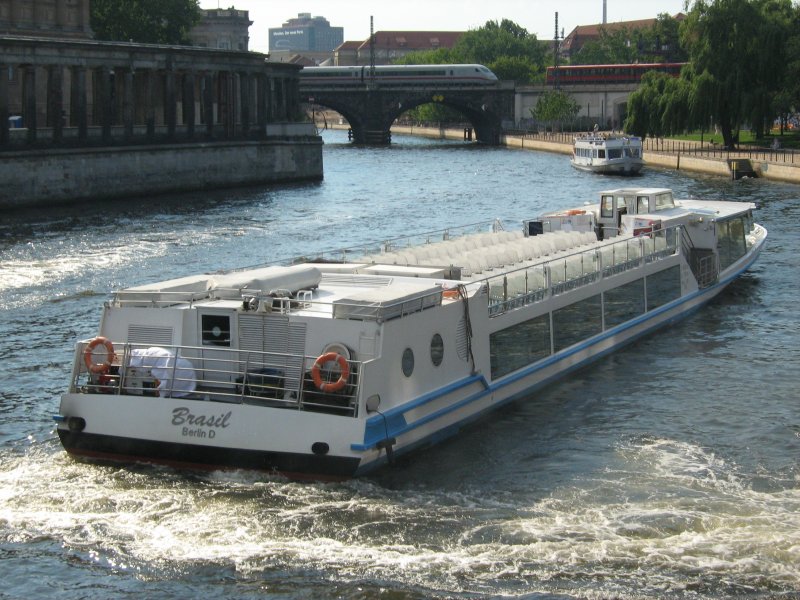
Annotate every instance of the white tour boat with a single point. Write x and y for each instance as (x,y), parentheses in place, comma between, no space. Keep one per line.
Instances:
(330,369)
(608,153)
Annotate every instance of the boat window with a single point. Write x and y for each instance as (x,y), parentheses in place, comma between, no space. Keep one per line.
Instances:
(663,287)
(623,303)
(577,322)
(601,153)
(607,206)
(730,241)
(437,349)
(622,205)
(408,362)
(664,200)
(642,205)
(216,330)
(615,153)
(520,345)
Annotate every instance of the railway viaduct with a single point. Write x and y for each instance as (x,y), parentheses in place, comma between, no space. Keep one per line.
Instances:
(371,108)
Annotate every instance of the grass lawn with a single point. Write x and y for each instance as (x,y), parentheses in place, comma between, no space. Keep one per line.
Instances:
(789,139)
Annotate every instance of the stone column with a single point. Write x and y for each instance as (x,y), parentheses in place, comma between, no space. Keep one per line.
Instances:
(85,21)
(208,103)
(29,101)
(55,101)
(103,75)
(189,115)
(61,14)
(226,106)
(149,104)
(262,104)
(78,111)
(4,135)
(244,86)
(16,18)
(170,109)
(128,87)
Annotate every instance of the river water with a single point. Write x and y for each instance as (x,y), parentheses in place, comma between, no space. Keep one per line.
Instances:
(669,470)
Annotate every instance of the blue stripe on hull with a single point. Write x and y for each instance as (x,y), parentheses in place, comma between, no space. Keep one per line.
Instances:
(393,422)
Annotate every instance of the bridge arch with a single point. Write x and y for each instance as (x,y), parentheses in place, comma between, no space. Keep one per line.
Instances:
(371,111)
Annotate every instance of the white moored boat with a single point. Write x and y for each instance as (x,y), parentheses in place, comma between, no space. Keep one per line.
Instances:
(329,369)
(608,153)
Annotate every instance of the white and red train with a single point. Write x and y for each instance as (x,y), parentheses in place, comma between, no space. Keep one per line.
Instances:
(401,74)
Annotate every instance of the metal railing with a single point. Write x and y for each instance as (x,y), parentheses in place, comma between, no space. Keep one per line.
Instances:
(561,274)
(717,151)
(217,374)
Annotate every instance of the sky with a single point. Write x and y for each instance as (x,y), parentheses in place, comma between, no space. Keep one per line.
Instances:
(537,16)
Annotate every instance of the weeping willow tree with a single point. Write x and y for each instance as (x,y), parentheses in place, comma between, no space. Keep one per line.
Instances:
(738,55)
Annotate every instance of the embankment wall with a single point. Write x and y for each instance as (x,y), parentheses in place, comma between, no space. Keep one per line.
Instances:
(679,162)
(33,178)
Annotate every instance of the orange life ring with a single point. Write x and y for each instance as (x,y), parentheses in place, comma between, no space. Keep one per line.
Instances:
(88,355)
(576,211)
(451,293)
(344,374)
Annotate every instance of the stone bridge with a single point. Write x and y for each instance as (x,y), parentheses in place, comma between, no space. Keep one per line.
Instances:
(370,109)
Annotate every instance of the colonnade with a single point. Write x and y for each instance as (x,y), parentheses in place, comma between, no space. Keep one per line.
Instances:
(62,92)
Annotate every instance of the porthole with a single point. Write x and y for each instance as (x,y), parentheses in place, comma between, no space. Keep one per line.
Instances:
(437,349)
(408,362)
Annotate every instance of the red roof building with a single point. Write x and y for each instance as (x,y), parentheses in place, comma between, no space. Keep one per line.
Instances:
(582,34)
(392,45)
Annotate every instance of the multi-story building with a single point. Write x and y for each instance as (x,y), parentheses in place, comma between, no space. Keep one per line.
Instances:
(583,34)
(45,18)
(305,34)
(223,29)
(390,46)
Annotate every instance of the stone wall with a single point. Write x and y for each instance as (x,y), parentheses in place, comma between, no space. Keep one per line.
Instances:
(33,178)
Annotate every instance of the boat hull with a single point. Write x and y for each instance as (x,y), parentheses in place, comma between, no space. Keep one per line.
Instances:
(610,168)
(105,448)
(458,411)
(196,434)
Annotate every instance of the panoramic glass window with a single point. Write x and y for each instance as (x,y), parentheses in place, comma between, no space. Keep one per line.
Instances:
(216,330)
(437,349)
(408,362)
(576,322)
(623,303)
(663,287)
(520,345)
(731,242)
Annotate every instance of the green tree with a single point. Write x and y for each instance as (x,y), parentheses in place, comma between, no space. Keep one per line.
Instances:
(740,54)
(787,101)
(555,107)
(738,51)
(612,48)
(664,40)
(659,43)
(144,21)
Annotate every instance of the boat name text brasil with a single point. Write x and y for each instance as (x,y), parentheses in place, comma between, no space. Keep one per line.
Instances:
(200,426)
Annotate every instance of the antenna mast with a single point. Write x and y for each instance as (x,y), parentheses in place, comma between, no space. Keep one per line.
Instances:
(371,49)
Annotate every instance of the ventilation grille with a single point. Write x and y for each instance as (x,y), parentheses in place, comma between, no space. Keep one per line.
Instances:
(354,281)
(148,335)
(462,347)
